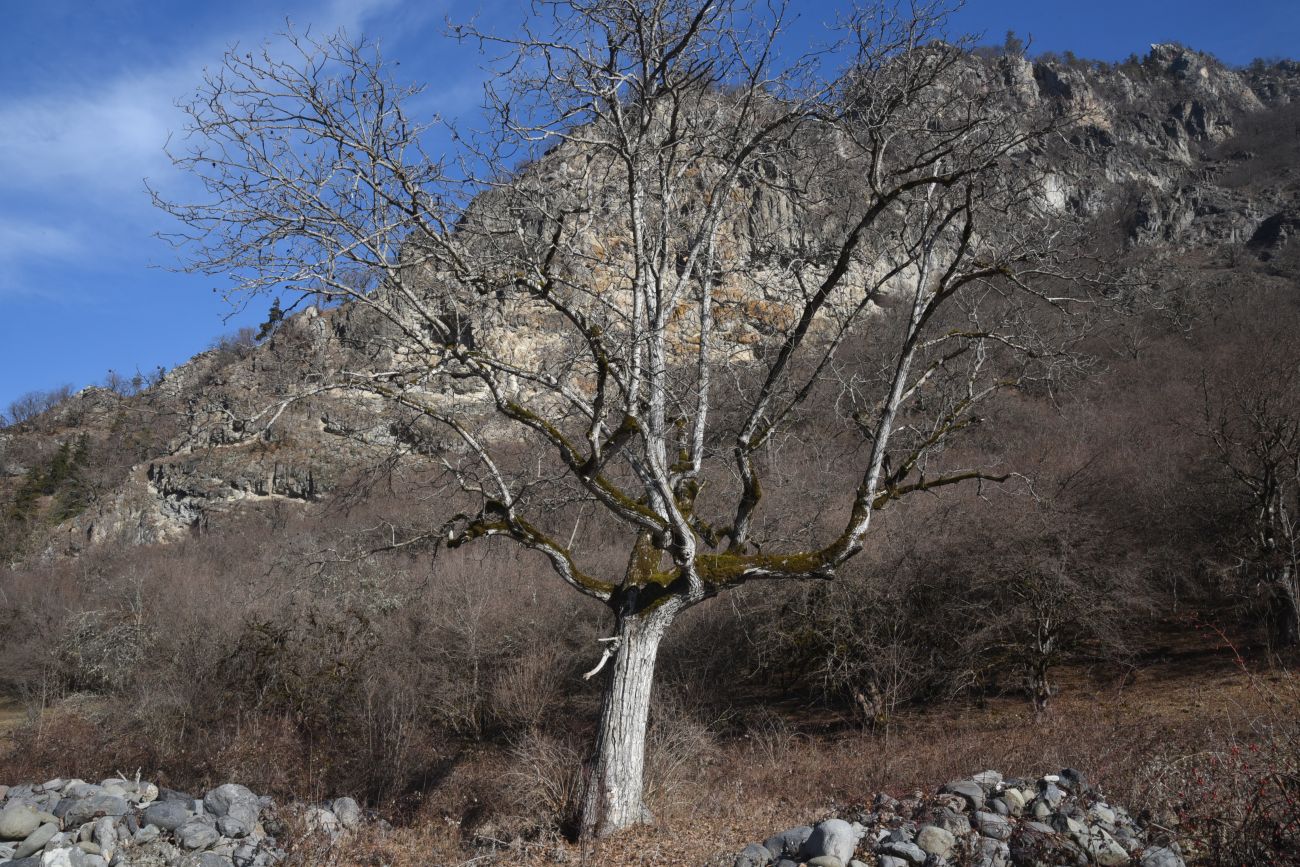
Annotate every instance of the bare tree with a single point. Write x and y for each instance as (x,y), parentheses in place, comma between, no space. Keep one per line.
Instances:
(28,406)
(668,250)
(1252,421)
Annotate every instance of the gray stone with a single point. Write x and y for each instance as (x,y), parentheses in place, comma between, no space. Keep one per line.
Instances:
(17,821)
(833,837)
(147,834)
(1161,856)
(36,840)
(969,791)
(229,826)
(83,810)
(753,855)
(993,825)
(1102,813)
(999,806)
(79,789)
(221,800)
(244,855)
(825,861)
(167,815)
(322,821)
(991,853)
(348,811)
(1073,780)
(950,820)
(1051,793)
(789,842)
(196,834)
(891,861)
(909,852)
(936,840)
(105,836)
(1100,846)
(63,858)
(987,780)
(1014,800)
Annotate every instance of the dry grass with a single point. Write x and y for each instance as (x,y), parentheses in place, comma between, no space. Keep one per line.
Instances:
(1129,737)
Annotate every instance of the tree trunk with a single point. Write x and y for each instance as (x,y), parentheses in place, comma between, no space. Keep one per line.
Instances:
(1286,609)
(614,796)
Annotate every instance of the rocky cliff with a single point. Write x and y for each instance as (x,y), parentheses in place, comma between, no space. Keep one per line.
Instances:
(1171,154)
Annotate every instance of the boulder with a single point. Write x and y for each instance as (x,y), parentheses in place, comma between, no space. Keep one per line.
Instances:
(991,853)
(833,837)
(233,800)
(18,820)
(1161,856)
(788,843)
(167,815)
(1073,780)
(754,855)
(105,836)
(83,810)
(936,841)
(36,840)
(993,825)
(348,812)
(196,834)
(909,852)
(972,793)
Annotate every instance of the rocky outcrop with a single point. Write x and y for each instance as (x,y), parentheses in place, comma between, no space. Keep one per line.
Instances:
(985,821)
(1275,233)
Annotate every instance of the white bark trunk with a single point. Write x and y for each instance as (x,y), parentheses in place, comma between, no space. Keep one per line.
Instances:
(614,797)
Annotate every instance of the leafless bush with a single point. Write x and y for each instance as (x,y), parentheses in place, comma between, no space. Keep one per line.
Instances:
(99,650)
(544,777)
(679,748)
(1236,799)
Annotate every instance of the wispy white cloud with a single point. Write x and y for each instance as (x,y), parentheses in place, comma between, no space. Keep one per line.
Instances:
(74,154)
(89,143)
(21,239)
(23,242)
(101,139)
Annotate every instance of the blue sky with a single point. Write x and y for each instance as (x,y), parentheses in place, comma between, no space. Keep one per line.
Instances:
(86,104)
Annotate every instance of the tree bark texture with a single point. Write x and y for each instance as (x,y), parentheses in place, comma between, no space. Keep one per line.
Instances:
(614,795)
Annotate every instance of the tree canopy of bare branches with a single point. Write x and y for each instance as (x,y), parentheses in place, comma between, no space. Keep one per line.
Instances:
(670,247)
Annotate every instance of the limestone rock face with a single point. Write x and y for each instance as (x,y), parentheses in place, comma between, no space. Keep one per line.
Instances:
(1175,149)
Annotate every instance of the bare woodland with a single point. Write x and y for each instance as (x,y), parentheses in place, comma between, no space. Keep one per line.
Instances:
(712,427)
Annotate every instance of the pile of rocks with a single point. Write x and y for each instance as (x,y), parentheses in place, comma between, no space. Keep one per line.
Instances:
(130,823)
(986,821)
